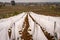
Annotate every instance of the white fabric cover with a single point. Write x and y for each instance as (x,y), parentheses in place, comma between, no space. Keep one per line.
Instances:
(36,31)
(16,23)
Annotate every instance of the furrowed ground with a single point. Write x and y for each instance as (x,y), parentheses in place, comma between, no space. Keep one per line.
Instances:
(7,11)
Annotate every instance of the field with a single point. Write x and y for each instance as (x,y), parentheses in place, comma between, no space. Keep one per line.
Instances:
(51,10)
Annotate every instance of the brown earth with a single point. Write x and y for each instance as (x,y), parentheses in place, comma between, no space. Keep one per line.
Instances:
(8,11)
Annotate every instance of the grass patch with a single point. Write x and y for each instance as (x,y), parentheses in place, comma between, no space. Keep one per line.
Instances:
(8,11)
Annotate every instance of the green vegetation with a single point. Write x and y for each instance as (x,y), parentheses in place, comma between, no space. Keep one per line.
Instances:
(6,15)
(7,11)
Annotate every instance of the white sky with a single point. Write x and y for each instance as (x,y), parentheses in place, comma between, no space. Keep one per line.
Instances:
(31,0)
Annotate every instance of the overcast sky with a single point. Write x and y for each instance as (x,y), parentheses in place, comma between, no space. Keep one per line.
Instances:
(31,0)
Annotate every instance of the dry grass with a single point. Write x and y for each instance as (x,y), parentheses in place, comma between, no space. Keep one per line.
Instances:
(8,11)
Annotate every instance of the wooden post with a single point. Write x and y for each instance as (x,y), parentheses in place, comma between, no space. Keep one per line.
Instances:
(55,34)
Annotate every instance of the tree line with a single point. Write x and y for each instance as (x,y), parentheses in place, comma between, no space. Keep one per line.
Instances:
(3,4)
